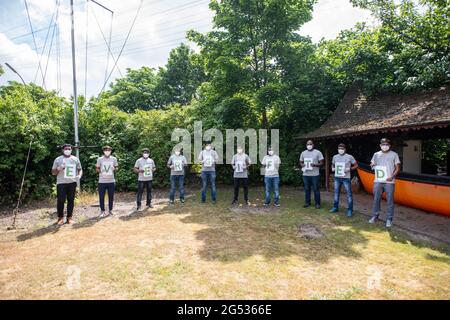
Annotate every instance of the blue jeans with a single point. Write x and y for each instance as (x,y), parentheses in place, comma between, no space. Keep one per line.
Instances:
(338,182)
(378,189)
(102,188)
(211,176)
(269,184)
(312,181)
(174,179)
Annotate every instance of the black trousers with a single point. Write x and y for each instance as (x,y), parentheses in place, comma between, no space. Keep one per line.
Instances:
(141,186)
(102,188)
(237,183)
(65,191)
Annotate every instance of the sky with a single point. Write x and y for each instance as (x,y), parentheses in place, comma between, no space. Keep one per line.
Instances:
(160,26)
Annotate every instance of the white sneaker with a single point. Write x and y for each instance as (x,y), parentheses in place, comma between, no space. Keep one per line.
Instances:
(373,220)
(388,223)
(110,213)
(102,214)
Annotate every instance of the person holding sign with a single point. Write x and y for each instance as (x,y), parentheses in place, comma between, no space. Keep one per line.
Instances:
(145,167)
(271,163)
(386,165)
(240,163)
(341,165)
(310,161)
(106,166)
(67,169)
(208,158)
(176,163)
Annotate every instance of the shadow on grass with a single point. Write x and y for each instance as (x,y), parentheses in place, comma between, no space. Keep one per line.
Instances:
(273,233)
(51,229)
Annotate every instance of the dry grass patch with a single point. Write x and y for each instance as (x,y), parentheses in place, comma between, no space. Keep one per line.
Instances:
(204,251)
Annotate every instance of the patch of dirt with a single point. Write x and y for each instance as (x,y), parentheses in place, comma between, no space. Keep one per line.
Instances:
(309,231)
(253,209)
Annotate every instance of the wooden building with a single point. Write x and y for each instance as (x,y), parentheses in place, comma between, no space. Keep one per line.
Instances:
(408,119)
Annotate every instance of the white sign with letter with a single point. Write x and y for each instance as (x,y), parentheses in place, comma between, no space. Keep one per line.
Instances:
(381,173)
(107,168)
(70,171)
(208,161)
(239,166)
(339,169)
(270,165)
(178,165)
(148,172)
(308,164)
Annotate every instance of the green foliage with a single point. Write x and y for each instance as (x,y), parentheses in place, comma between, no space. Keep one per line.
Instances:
(29,113)
(253,70)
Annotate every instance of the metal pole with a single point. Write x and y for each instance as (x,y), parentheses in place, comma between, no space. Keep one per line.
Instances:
(75,94)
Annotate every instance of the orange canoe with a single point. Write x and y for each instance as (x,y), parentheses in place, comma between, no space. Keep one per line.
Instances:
(425,192)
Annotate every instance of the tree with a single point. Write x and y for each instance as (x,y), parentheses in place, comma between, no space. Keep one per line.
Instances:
(137,90)
(181,76)
(255,31)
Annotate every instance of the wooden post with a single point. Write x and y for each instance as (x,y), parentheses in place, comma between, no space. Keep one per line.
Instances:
(327,168)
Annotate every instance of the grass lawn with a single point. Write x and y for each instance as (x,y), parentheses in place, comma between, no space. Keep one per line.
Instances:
(205,251)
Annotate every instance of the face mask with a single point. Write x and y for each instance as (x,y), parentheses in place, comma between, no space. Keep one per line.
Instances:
(309,147)
(240,150)
(177,153)
(145,155)
(67,152)
(107,153)
(208,148)
(341,151)
(384,148)
(270,153)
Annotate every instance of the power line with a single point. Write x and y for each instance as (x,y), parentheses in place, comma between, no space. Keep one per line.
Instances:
(173,9)
(86,49)
(45,42)
(51,42)
(124,44)
(34,41)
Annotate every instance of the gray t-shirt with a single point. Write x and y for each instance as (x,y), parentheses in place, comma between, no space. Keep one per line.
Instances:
(106,165)
(385,165)
(240,162)
(71,166)
(272,164)
(342,164)
(147,165)
(209,159)
(311,157)
(178,162)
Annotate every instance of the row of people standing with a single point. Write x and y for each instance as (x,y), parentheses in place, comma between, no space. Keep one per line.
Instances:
(68,170)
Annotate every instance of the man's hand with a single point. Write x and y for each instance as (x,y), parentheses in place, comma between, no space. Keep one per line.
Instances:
(389,179)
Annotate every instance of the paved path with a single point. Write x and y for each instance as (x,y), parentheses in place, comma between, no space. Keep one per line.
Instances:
(418,223)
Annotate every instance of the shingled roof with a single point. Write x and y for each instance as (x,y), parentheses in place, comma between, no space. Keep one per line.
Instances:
(357,115)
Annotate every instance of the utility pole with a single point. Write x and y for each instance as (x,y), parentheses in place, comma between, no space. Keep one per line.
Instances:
(75,94)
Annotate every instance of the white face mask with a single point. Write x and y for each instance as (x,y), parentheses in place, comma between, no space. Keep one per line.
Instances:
(145,155)
(240,150)
(67,152)
(309,147)
(341,151)
(385,148)
(208,148)
(270,153)
(107,153)
(177,153)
